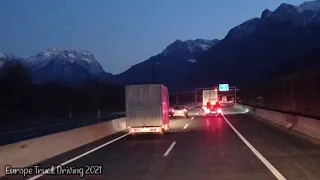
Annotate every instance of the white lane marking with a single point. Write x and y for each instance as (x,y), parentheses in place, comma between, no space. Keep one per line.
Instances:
(197,113)
(192,118)
(169,149)
(80,156)
(185,126)
(274,171)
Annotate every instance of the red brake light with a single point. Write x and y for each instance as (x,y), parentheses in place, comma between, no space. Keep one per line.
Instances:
(219,111)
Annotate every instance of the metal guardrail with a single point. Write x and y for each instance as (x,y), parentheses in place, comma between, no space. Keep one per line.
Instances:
(282,111)
(16,135)
(38,131)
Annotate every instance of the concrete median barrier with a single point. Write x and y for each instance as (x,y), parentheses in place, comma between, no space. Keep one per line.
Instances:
(303,125)
(193,105)
(32,151)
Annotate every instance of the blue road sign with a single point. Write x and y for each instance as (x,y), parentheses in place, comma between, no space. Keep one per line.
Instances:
(223,87)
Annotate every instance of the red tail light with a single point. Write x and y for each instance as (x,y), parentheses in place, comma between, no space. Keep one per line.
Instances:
(219,111)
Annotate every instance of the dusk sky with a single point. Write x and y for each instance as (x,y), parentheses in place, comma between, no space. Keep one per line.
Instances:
(120,33)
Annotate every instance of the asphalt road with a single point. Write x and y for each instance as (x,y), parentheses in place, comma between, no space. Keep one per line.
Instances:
(234,147)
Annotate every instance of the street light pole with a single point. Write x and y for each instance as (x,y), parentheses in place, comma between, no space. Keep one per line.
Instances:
(235,95)
(195,95)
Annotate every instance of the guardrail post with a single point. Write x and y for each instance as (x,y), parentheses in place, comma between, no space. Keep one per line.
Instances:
(98,112)
(70,114)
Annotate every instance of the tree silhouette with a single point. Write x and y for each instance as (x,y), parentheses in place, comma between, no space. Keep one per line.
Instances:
(23,103)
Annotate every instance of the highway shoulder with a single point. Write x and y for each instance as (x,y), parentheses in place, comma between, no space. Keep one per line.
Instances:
(61,158)
(294,157)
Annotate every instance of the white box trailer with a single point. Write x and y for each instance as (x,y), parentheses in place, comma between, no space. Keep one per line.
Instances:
(147,108)
(224,99)
(209,96)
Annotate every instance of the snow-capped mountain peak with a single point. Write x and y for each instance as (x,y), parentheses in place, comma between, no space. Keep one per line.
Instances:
(73,54)
(190,46)
(1,55)
(244,29)
(7,56)
(309,6)
(2,61)
(302,15)
(83,58)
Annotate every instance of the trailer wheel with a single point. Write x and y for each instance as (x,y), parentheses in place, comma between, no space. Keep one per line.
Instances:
(166,128)
(162,132)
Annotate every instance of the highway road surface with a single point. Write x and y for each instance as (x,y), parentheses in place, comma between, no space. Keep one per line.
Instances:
(233,147)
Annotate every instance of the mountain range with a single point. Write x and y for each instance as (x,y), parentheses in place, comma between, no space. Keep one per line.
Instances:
(169,67)
(69,67)
(256,49)
(261,47)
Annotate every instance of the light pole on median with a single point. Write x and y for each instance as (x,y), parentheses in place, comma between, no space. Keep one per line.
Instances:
(195,95)
(235,94)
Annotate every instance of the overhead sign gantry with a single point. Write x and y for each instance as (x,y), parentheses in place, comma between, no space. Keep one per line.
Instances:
(223,87)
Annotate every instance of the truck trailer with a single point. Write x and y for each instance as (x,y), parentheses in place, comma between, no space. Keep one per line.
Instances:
(147,108)
(209,99)
(209,96)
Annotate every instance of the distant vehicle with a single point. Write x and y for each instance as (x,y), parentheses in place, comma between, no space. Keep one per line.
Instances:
(213,109)
(147,108)
(224,102)
(224,99)
(211,105)
(179,110)
(209,96)
(231,103)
